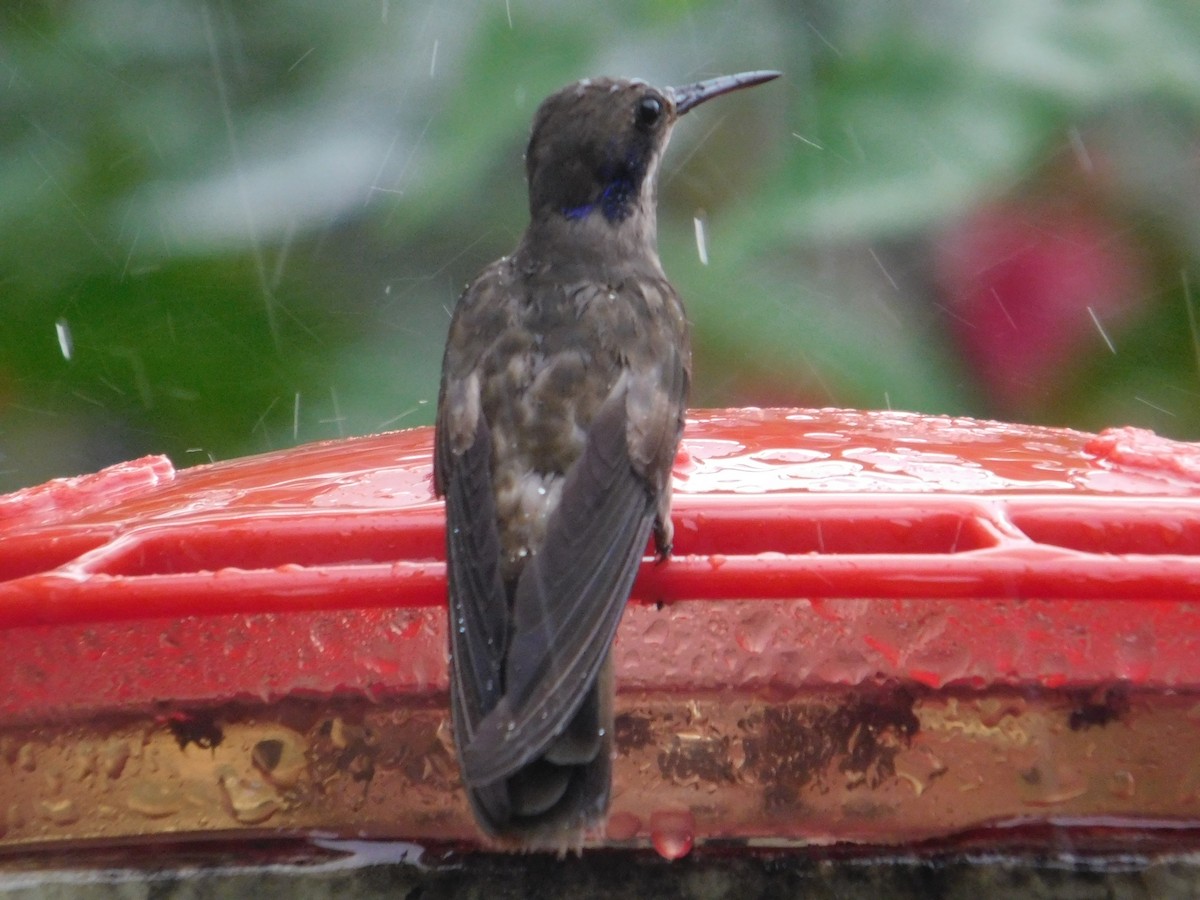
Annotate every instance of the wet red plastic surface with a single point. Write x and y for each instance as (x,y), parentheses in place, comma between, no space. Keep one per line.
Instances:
(822,546)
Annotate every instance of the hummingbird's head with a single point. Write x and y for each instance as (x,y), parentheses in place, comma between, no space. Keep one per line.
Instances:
(596,145)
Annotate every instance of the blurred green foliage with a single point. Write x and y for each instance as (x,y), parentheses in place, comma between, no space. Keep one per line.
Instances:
(231,227)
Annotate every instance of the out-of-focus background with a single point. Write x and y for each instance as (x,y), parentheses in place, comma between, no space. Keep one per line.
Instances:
(230,227)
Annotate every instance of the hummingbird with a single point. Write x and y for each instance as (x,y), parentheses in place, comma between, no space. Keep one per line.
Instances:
(562,399)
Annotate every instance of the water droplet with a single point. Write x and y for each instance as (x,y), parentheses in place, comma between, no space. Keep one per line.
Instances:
(754,632)
(1056,786)
(672,832)
(251,800)
(86,760)
(914,782)
(154,801)
(54,783)
(339,734)
(61,812)
(657,633)
(16,816)
(27,757)
(113,758)
(993,710)
(1121,784)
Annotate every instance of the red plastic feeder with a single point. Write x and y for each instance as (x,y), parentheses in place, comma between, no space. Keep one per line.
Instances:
(876,627)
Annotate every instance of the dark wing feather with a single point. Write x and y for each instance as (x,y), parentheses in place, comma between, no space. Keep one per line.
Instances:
(478,604)
(568,601)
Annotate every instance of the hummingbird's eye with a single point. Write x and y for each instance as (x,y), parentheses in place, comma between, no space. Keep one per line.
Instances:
(649,111)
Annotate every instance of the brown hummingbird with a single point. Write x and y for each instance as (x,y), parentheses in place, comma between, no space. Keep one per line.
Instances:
(564,385)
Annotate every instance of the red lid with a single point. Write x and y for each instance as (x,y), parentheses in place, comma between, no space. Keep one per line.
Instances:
(1082,546)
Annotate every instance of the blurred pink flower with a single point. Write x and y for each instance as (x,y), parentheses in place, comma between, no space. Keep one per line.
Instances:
(1031,290)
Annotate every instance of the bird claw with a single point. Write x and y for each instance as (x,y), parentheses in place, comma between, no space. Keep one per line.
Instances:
(664,538)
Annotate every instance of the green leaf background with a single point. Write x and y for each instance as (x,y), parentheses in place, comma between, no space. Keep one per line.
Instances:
(253,219)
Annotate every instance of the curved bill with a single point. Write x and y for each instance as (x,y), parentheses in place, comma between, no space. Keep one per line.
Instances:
(694,94)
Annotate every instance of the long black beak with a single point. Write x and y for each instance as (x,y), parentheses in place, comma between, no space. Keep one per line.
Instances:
(694,94)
